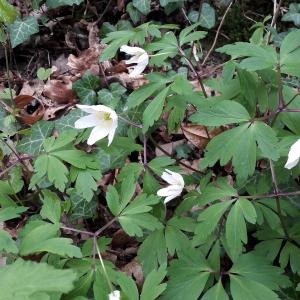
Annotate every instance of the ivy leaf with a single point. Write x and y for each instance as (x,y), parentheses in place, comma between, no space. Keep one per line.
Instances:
(8,12)
(40,277)
(80,207)
(66,123)
(22,29)
(32,144)
(85,88)
(207,16)
(153,287)
(7,244)
(142,5)
(58,3)
(134,13)
(51,209)
(154,109)
(44,74)
(293,14)
(222,113)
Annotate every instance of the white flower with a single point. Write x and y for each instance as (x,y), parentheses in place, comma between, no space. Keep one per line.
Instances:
(174,189)
(102,118)
(115,295)
(294,156)
(139,57)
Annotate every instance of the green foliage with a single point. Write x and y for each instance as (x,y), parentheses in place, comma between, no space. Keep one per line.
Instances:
(22,29)
(8,13)
(231,233)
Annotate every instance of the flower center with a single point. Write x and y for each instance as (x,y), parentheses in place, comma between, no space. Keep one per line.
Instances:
(107,116)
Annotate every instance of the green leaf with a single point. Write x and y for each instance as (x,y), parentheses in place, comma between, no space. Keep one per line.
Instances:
(188,276)
(222,113)
(85,89)
(51,209)
(44,239)
(32,144)
(247,289)
(140,95)
(154,109)
(9,213)
(259,57)
(142,5)
(113,201)
(186,36)
(21,30)
(293,14)
(66,123)
(133,224)
(44,74)
(239,144)
(128,286)
(289,52)
(153,287)
(57,173)
(134,13)
(207,16)
(290,253)
(80,207)
(58,3)
(8,13)
(40,277)
(217,292)
(7,244)
(160,163)
(210,218)
(153,251)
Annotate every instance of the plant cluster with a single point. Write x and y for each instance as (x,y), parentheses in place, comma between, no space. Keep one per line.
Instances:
(225,228)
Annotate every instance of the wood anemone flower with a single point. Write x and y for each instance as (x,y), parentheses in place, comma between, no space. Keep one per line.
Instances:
(115,295)
(176,185)
(139,57)
(293,156)
(102,118)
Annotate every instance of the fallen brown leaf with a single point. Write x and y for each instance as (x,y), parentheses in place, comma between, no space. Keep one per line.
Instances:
(60,90)
(134,269)
(197,134)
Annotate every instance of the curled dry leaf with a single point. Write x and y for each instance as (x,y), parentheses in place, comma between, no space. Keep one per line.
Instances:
(88,60)
(60,90)
(50,112)
(31,109)
(197,134)
(134,269)
(170,148)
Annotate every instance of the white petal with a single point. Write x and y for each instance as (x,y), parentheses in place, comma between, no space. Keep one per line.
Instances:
(87,121)
(111,135)
(132,60)
(171,190)
(87,108)
(169,198)
(293,156)
(173,178)
(136,70)
(131,50)
(97,134)
(115,295)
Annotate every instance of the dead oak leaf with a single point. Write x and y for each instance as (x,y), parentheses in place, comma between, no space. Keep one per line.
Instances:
(199,135)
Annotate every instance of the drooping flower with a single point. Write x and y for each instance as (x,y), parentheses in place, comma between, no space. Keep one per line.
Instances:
(115,295)
(176,185)
(102,118)
(139,57)
(293,156)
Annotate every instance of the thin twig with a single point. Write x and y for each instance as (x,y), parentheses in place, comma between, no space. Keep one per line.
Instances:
(195,72)
(99,231)
(274,19)
(104,12)
(277,197)
(217,35)
(172,156)
(77,230)
(14,164)
(279,194)
(145,151)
